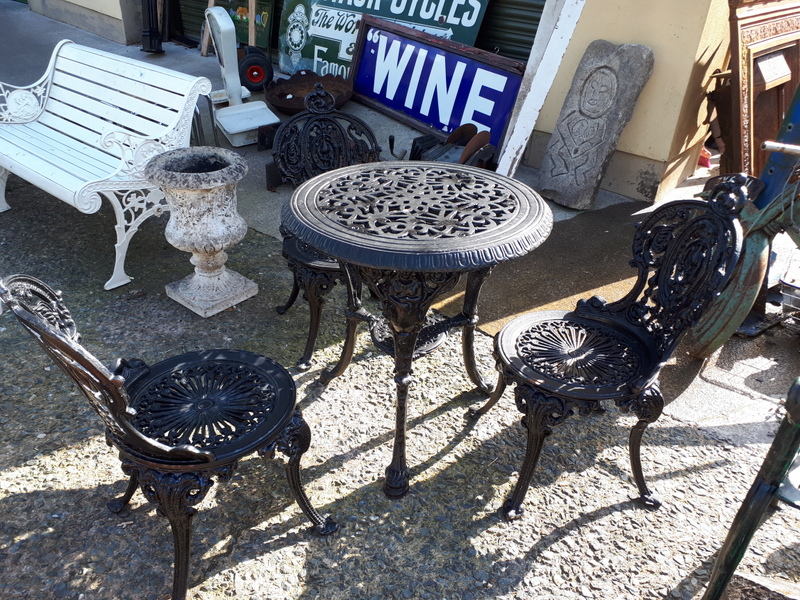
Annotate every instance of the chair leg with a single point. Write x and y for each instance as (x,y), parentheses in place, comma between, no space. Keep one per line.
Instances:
(293,442)
(292,297)
(647,406)
(117,504)
(316,285)
(541,414)
(477,413)
(502,383)
(176,494)
(355,315)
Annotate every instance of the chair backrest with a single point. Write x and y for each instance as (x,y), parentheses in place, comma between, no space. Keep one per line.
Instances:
(685,252)
(223,36)
(321,139)
(42,312)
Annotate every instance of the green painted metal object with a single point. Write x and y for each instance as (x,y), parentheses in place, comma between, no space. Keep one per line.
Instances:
(761,221)
(732,306)
(772,472)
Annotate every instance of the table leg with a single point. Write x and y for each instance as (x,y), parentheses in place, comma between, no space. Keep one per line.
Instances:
(355,314)
(406,298)
(396,484)
(475,281)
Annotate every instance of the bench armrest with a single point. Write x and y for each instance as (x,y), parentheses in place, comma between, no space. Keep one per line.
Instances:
(135,152)
(23,104)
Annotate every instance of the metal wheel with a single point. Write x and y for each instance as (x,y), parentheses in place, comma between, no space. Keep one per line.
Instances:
(255,70)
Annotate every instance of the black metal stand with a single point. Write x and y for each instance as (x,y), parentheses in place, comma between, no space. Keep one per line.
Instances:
(151,36)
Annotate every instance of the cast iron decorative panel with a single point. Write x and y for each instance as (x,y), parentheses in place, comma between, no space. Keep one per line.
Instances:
(428,216)
(205,404)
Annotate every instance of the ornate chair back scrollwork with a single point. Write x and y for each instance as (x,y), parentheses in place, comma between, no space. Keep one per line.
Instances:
(321,139)
(179,423)
(313,142)
(567,361)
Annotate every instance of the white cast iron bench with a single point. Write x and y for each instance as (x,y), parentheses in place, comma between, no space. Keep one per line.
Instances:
(87,128)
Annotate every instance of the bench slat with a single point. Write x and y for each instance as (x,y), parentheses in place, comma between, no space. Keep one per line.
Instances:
(98,116)
(82,162)
(152,108)
(45,175)
(78,134)
(79,126)
(96,161)
(135,70)
(171,98)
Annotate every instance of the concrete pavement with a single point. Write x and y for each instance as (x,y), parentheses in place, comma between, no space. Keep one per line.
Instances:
(737,393)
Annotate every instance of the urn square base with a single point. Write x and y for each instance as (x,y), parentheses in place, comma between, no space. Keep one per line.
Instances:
(208,296)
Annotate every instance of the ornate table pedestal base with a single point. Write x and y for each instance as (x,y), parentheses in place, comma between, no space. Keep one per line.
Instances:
(406,298)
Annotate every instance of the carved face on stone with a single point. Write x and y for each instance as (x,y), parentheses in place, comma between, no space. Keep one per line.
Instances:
(598,93)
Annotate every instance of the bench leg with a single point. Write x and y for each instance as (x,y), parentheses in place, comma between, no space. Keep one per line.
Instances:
(3,179)
(131,208)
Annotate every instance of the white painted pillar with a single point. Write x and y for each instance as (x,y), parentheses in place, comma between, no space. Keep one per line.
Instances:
(555,30)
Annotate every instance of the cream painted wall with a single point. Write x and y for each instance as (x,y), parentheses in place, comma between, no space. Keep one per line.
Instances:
(689,39)
(110,8)
(116,20)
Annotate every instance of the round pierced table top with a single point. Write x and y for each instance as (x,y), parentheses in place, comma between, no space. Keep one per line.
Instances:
(418,216)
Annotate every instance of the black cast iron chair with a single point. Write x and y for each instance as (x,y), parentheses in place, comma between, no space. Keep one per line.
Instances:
(179,423)
(761,494)
(562,362)
(315,141)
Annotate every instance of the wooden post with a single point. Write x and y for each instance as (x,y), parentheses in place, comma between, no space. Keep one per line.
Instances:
(556,27)
(251,22)
(206,35)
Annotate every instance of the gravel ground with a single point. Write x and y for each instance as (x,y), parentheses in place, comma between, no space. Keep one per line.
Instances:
(582,535)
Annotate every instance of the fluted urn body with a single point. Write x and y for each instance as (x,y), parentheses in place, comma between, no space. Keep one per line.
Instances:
(200,187)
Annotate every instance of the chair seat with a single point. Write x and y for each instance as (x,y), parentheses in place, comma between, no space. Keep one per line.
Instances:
(228,402)
(576,357)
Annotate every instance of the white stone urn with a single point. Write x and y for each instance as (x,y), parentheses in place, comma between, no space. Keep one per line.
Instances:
(200,187)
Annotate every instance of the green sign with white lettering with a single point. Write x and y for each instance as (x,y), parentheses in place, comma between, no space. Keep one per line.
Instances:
(320,35)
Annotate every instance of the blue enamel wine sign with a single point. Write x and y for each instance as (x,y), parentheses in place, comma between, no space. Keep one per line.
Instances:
(434,85)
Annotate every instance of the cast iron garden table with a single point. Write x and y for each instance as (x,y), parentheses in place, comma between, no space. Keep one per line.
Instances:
(410,230)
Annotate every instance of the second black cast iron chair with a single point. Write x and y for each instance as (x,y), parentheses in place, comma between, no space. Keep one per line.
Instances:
(312,142)
(177,424)
(568,361)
